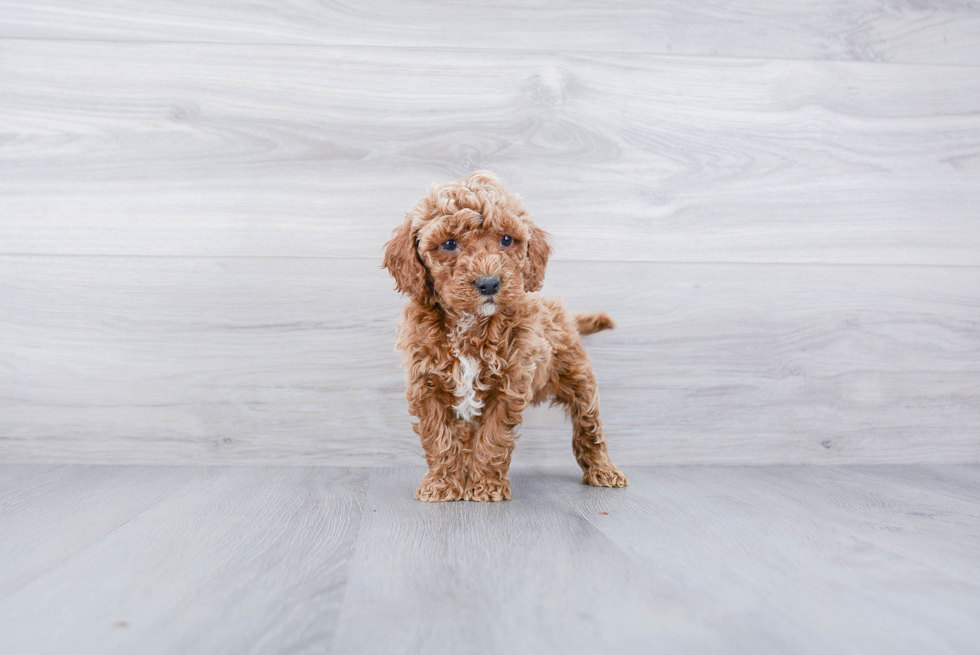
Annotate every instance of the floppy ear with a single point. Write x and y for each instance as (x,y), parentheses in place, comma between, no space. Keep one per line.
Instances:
(538,252)
(403,262)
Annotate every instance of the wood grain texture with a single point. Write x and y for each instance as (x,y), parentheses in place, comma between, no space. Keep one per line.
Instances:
(871,30)
(961,481)
(839,543)
(209,360)
(183,149)
(193,197)
(692,559)
(161,560)
(720,560)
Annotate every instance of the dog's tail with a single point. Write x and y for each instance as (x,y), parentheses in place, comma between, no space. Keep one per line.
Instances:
(591,323)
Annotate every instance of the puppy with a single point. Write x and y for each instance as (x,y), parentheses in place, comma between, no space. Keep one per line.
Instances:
(479,345)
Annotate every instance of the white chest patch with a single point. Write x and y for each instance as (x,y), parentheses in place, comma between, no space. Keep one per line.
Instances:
(467,373)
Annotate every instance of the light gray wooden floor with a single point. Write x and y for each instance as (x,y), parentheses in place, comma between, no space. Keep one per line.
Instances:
(117,559)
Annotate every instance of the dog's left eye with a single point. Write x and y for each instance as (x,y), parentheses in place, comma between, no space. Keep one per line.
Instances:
(506,240)
(449,245)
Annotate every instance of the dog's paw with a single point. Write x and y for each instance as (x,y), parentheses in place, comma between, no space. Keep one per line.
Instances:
(605,476)
(488,491)
(436,490)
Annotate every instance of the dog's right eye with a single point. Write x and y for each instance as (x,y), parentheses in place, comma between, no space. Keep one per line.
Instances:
(449,245)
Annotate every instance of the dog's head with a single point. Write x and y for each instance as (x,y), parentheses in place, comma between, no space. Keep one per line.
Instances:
(470,246)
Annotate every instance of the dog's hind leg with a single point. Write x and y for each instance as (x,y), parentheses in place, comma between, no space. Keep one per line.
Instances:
(577,390)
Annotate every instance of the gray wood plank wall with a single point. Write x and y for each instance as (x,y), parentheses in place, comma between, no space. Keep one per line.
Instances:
(779,204)
(865,30)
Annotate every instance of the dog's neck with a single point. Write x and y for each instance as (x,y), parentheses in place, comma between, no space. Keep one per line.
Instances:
(462,327)
(463,323)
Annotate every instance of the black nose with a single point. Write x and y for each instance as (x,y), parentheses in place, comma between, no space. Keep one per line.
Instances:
(487,285)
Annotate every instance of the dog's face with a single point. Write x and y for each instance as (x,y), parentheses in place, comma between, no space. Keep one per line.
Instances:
(469,246)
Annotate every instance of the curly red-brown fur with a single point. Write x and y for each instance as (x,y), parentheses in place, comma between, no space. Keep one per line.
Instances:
(474,361)
(592,323)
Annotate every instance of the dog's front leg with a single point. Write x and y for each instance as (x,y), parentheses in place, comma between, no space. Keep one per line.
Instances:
(445,452)
(493,444)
